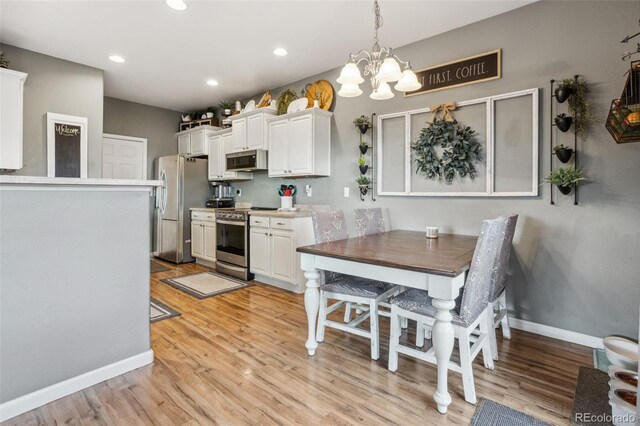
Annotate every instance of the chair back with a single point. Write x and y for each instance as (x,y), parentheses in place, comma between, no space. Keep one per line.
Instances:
(369,221)
(500,272)
(329,226)
(478,286)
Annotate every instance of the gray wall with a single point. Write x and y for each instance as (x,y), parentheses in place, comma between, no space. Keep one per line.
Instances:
(157,125)
(575,268)
(74,284)
(63,87)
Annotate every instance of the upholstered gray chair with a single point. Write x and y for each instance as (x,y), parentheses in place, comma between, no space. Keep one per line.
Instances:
(498,296)
(331,226)
(369,221)
(471,312)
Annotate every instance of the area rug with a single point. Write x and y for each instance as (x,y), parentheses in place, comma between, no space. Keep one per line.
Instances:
(159,311)
(489,413)
(205,284)
(156,267)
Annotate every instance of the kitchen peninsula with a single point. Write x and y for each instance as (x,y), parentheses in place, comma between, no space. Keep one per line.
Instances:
(74,285)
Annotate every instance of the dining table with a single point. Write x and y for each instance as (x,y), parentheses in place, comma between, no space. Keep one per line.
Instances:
(406,258)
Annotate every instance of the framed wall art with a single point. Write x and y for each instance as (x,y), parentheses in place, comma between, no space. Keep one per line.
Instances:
(66,145)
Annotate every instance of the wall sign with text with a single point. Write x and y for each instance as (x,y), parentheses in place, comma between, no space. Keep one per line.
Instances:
(66,146)
(475,69)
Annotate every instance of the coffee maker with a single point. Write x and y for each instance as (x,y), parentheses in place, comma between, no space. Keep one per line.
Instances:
(222,195)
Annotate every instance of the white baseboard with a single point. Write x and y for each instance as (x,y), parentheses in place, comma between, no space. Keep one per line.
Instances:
(556,333)
(43,396)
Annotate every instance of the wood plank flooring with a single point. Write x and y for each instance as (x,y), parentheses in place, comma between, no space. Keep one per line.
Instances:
(240,358)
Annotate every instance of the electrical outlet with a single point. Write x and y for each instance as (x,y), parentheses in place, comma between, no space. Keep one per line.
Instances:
(239,192)
(346,191)
(307,188)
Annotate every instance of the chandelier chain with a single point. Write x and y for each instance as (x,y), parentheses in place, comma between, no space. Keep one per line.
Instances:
(378,24)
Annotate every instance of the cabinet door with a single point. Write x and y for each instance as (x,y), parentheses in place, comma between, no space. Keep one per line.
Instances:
(227,147)
(259,251)
(239,132)
(283,255)
(197,239)
(214,158)
(11,119)
(198,143)
(278,141)
(184,144)
(301,146)
(255,132)
(209,244)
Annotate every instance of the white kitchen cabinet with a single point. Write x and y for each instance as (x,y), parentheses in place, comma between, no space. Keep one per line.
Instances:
(193,142)
(203,236)
(250,129)
(272,249)
(11,118)
(300,144)
(219,144)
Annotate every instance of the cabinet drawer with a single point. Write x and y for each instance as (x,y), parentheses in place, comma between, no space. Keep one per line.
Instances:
(259,221)
(197,215)
(281,223)
(210,217)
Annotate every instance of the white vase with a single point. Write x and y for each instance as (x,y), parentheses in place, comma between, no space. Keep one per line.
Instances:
(286,202)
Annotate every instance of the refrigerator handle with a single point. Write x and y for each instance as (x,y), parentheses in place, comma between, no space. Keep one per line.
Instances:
(161,199)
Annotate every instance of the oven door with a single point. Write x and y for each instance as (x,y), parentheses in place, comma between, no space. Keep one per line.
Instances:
(232,242)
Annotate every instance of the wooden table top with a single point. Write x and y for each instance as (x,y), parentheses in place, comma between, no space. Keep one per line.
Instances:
(448,255)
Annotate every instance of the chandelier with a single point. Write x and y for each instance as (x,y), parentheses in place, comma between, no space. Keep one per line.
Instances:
(383,67)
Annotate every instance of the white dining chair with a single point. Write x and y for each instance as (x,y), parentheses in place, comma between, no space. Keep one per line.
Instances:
(369,221)
(498,295)
(472,313)
(328,227)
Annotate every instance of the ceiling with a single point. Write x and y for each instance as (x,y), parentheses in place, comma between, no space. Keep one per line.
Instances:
(170,54)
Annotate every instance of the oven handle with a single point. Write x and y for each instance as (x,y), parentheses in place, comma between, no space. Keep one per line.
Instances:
(228,222)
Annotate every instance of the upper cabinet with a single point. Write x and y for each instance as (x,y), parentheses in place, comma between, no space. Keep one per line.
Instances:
(193,142)
(250,129)
(218,145)
(300,144)
(11,91)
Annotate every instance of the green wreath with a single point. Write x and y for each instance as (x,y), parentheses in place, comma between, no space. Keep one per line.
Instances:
(460,151)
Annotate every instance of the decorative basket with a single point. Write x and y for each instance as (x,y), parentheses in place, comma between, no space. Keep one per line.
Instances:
(623,121)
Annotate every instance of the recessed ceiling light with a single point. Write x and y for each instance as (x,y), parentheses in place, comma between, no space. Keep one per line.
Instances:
(212,82)
(280,52)
(177,4)
(116,58)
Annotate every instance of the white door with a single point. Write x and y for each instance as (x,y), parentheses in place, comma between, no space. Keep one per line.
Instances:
(301,148)
(197,240)
(239,131)
(215,173)
(259,251)
(255,132)
(124,157)
(278,150)
(210,241)
(283,255)
(227,147)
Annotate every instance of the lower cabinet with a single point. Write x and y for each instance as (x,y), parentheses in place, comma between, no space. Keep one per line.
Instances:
(203,235)
(272,250)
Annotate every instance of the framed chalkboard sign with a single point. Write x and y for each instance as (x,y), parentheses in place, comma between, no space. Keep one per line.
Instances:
(66,146)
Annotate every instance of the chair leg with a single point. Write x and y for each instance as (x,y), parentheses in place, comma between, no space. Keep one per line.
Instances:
(322,316)
(489,332)
(375,335)
(347,312)
(420,334)
(394,340)
(506,331)
(467,369)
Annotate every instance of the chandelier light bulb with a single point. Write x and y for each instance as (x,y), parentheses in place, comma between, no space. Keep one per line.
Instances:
(350,91)
(383,92)
(389,71)
(408,82)
(350,74)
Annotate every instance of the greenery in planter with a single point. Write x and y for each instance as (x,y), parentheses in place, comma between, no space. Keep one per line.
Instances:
(460,151)
(560,147)
(362,161)
(362,121)
(578,105)
(226,105)
(566,177)
(363,181)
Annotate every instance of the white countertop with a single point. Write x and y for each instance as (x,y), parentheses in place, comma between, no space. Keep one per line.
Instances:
(7,181)
(276,213)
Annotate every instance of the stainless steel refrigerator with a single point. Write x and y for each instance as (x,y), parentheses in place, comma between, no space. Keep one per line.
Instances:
(184,185)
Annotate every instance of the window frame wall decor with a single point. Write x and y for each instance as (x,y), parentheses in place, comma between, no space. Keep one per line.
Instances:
(489,102)
(52,120)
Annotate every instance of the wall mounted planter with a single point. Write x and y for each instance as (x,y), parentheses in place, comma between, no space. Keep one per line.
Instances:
(363,149)
(363,128)
(562,93)
(564,155)
(565,189)
(363,169)
(563,123)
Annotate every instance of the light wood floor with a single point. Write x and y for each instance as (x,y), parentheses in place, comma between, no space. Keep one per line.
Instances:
(239,358)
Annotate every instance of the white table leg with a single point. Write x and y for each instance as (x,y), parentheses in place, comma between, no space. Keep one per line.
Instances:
(311,304)
(443,338)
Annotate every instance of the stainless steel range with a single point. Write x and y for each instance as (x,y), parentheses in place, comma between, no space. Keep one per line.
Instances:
(232,243)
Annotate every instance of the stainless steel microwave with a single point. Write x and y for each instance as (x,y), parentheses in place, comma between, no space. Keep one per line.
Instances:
(247,161)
